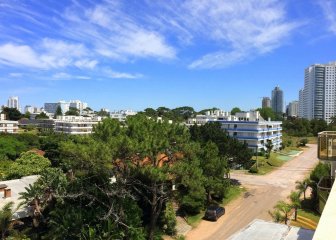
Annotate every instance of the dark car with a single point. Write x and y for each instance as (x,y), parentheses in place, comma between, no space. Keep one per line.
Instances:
(214,212)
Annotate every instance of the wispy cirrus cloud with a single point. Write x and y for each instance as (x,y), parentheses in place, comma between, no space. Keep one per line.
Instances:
(229,31)
(329,10)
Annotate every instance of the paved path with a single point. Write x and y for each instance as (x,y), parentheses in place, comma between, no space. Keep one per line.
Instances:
(262,194)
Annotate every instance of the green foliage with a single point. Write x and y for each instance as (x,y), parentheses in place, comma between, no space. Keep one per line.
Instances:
(267,113)
(10,147)
(321,170)
(59,111)
(303,142)
(169,219)
(43,115)
(303,127)
(72,112)
(235,110)
(29,163)
(228,147)
(103,113)
(6,223)
(281,211)
(179,114)
(12,113)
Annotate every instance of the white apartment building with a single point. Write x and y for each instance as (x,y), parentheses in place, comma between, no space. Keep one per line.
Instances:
(293,109)
(7,126)
(13,102)
(318,100)
(210,116)
(254,130)
(121,115)
(79,105)
(76,124)
(247,127)
(300,113)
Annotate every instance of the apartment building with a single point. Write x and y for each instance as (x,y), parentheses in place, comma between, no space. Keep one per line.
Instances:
(13,102)
(121,115)
(318,97)
(293,109)
(266,102)
(254,130)
(277,101)
(76,124)
(247,127)
(7,126)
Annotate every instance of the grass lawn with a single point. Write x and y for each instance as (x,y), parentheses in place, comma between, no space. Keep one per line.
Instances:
(233,193)
(267,165)
(309,214)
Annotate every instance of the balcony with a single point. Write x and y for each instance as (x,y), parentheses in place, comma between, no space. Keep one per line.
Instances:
(327,146)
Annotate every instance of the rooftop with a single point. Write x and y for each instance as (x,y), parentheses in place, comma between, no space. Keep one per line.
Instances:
(263,230)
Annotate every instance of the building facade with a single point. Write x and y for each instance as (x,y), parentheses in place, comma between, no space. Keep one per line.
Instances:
(277,100)
(13,102)
(266,102)
(318,100)
(78,105)
(121,115)
(293,109)
(247,127)
(252,129)
(300,113)
(7,126)
(76,124)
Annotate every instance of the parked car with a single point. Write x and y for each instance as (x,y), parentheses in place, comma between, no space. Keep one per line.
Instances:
(214,212)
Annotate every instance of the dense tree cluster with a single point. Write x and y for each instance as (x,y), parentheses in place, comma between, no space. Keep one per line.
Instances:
(302,127)
(123,181)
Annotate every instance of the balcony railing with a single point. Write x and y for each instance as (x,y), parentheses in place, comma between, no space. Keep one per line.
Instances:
(323,190)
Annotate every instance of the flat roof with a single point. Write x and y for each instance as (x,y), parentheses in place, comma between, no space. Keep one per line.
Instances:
(17,186)
(263,230)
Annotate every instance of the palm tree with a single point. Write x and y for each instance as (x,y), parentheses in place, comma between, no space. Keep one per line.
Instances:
(302,187)
(295,202)
(281,211)
(6,219)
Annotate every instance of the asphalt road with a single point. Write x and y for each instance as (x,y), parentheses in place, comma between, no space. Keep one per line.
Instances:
(262,194)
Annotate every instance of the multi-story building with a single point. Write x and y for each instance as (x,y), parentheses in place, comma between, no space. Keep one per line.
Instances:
(75,124)
(293,109)
(266,102)
(254,130)
(50,107)
(7,126)
(79,105)
(121,115)
(277,100)
(300,113)
(13,102)
(247,127)
(318,98)
(210,116)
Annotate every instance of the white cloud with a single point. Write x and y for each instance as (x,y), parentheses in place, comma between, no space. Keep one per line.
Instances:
(329,11)
(67,76)
(114,74)
(49,54)
(15,75)
(21,55)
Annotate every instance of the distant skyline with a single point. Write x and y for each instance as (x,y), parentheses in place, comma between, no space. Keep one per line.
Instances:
(135,54)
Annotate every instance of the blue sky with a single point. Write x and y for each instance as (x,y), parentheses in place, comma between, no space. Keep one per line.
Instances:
(134,54)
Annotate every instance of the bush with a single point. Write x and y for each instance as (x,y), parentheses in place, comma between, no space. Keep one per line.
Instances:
(253,169)
(303,142)
(169,219)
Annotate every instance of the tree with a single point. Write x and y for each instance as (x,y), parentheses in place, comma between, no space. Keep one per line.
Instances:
(103,113)
(72,112)
(235,110)
(301,186)
(29,163)
(6,219)
(27,115)
(150,112)
(59,111)
(12,113)
(42,115)
(281,212)
(269,146)
(295,202)
(214,168)
(267,113)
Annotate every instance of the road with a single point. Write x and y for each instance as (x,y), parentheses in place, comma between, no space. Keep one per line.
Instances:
(262,194)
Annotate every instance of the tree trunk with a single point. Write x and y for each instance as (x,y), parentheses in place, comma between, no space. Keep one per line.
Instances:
(295,214)
(208,197)
(156,206)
